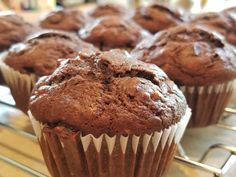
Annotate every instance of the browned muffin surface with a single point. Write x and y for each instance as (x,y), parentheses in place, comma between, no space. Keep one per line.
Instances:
(40,54)
(64,19)
(222,23)
(108,10)
(13,29)
(189,55)
(231,36)
(230,9)
(112,32)
(157,17)
(108,93)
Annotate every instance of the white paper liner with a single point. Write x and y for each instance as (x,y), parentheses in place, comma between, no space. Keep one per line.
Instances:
(208,102)
(144,147)
(173,133)
(20,84)
(229,86)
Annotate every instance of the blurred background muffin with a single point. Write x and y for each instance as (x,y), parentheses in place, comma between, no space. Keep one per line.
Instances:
(38,56)
(219,22)
(200,63)
(157,17)
(231,13)
(64,19)
(112,32)
(13,29)
(109,10)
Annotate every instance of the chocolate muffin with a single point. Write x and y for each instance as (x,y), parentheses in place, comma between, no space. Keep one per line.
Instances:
(13,29)
(157,17)
(38,56)
(231,13)
(108,107)
(221,23)
(109,10)
(199,62)
(231,10)
(113,32)
(64,19)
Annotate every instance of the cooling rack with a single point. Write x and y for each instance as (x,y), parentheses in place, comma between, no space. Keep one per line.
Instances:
(180,158)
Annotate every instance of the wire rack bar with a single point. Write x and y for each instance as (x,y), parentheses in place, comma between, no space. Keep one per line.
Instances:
(228,164)
(183,158)
(217,172)
(225,126)
(7,104)
(200,166)
(230,110)
(24,154)
(181,151)
(230,149)
(18,131)
(21,166)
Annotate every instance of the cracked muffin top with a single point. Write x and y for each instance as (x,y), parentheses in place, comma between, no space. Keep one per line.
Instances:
(13,29)
(109,10)
(221,22)
(108,93)
(113,32)
(40,53)
(64,19)
(157,17)
(190,55)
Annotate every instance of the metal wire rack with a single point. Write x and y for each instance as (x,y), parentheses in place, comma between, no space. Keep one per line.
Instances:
(181,158)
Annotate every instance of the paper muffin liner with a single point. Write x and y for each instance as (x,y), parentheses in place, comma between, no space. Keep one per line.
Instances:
(20,84)
(70,154)
(232,101)
(207,102)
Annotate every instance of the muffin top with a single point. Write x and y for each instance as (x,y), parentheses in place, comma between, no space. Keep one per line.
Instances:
(39,54)
(231,10)
(157,17)
(13,29)
(108,9)
(64,19)
(231,35)
(219,22)
(190,55)
(108,93)
(112,32)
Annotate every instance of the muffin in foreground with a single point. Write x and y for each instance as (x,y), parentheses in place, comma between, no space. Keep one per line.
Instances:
(64,19)
(38,56)
(109,10)
(157,17)
(113,32)
(13,29)
(108,115)
(202,65)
